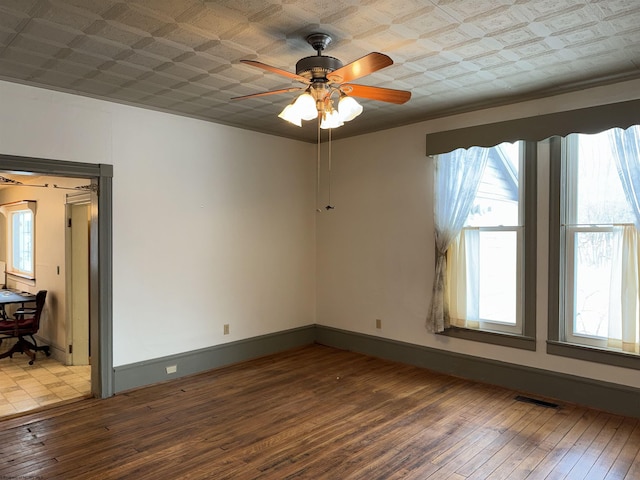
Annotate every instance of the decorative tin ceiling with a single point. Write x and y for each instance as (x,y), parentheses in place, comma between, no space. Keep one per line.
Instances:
(182,56)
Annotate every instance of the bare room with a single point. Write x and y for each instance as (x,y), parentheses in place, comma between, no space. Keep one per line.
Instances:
(355,240)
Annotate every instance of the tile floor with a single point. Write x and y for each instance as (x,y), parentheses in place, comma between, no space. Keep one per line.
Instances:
(26,387)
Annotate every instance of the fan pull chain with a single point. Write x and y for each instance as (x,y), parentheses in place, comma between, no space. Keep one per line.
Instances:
(318,209)
(329,206)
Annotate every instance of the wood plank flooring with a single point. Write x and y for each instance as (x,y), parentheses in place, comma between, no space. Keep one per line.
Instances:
(319,413)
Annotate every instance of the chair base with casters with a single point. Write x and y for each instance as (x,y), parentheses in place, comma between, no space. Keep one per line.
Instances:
(25,323)
(29,348)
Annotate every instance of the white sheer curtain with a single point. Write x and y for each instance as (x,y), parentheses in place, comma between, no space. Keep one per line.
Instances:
(623,307)
(624,331)
(625,146)
(457,177)
(464,297)
(457,280)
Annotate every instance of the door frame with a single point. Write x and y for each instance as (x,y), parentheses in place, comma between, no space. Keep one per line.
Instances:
(100,260)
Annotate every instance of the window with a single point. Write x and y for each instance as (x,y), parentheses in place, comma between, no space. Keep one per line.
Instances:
(599,244)
(22,242)
(486,263)
(590,256)
(487,255)
(20,239)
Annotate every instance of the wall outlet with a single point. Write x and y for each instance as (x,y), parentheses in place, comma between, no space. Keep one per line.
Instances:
(378,323)
(171,369)
(226,329)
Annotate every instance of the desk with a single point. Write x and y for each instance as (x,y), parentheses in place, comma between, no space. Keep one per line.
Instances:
(8,297)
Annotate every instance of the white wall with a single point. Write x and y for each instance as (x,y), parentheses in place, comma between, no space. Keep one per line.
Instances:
(376,249)
(212,225)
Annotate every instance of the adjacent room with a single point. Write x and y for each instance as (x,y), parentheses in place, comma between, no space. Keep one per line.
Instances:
(45,248)
(324,239)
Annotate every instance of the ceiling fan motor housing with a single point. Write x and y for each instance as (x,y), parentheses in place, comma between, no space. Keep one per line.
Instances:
(317,67)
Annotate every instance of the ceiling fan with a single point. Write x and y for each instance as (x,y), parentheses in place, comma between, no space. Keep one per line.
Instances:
(325,76)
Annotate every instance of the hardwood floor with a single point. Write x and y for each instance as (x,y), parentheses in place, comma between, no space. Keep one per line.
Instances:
(319,413)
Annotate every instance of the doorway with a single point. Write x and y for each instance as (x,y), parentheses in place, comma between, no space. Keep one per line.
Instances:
(100,326)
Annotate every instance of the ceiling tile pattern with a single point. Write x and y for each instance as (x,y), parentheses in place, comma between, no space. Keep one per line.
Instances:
(183,56)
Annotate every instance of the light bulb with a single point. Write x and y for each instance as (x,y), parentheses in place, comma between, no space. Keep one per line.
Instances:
(348,108)
(306,106)
(331,120)
(291,115)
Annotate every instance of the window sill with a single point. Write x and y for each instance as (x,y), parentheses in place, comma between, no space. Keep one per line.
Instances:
(20,277)
(495,338)
(594,354)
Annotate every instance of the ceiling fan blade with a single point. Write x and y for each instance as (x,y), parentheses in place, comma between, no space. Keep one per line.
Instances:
(363,66)
(376,93)
(271,92)
(279,71)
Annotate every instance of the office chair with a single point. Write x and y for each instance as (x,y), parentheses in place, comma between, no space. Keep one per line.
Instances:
(26,322)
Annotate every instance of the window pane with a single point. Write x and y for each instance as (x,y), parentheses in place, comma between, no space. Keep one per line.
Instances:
(22,241)
(592,273)
(498,277)
(600,197)
(497,198)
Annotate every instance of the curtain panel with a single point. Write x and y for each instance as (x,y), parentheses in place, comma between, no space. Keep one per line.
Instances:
(457,177)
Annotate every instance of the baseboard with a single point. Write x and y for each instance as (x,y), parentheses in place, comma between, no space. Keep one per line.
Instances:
(56,352)
(605,396)
(610,397)
(153,371)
